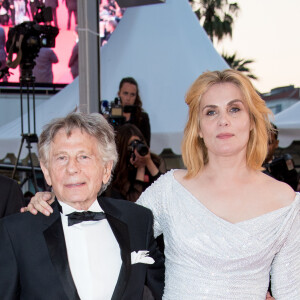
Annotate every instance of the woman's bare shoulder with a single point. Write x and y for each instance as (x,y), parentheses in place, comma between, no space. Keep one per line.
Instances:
(179,175)
(280,193)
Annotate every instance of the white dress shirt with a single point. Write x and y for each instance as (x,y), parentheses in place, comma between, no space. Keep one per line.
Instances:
(93,254)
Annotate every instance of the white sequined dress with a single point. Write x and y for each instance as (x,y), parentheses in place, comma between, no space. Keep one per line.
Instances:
(210,258)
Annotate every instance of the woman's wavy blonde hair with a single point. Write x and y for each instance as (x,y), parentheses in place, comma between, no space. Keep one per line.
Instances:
(194,151)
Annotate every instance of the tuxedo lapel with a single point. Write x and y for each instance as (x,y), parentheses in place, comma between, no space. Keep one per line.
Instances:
(121,233)
(55,240)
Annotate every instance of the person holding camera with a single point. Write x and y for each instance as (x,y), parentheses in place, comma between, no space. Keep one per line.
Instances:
(282,167)
(137,168)
(130,98)
(43,69)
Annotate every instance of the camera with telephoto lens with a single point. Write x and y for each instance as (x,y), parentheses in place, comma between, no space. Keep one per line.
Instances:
(141,148)
(114,111)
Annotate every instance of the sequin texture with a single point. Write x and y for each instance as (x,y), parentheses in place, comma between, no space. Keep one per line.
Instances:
(210,258)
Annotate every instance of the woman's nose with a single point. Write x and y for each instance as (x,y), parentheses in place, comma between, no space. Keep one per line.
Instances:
(223,120)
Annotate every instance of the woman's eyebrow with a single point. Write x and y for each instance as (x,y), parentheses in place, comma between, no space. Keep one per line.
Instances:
(234,101)
(209,106)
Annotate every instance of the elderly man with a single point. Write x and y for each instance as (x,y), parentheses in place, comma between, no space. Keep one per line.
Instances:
(88,248)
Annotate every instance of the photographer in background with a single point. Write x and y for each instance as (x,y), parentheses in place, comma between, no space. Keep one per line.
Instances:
(43,70)
(281,168)
(137,167)
(129,96)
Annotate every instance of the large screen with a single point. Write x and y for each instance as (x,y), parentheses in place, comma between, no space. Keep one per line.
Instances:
(55,65)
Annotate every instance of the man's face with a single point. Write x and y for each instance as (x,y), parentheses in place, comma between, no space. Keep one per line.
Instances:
(75,169)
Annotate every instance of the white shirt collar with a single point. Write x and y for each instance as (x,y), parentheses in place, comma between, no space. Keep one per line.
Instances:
(67,209)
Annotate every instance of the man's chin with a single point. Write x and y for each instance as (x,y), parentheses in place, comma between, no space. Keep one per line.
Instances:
(79,203)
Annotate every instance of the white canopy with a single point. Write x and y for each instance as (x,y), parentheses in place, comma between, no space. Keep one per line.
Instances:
(288,123)
(165,49)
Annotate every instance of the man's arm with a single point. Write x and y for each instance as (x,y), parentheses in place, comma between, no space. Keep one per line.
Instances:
(11,198)
(9,277)
(53,57)
(155,278)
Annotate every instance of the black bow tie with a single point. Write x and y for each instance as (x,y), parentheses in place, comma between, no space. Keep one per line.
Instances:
(78,217)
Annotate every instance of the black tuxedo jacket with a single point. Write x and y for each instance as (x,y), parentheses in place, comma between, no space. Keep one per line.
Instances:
(34,263)
(11,197)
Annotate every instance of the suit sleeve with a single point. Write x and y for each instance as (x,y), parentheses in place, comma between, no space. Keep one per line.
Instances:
(285,270)
(12,200)
(9,277)
(156,272)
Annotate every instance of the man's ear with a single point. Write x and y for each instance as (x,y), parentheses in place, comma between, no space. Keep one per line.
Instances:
(107,172)
(46,174)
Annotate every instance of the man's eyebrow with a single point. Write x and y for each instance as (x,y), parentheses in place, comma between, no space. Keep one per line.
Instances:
(59,152)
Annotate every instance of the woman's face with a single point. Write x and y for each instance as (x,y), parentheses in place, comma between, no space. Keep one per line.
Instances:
(133,138)
(127,94)
(224,120)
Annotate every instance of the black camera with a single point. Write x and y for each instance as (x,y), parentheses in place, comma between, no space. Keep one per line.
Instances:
(114,111)
(43,14)
(27,38)
(141,148)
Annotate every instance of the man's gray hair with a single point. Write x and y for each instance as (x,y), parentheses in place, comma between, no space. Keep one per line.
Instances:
(93,124)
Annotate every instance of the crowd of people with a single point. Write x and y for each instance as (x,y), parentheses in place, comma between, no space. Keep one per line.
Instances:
(110,15)
(230,231)
(14,12)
